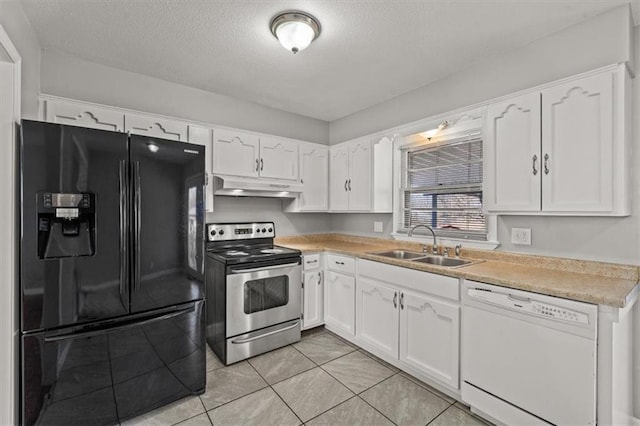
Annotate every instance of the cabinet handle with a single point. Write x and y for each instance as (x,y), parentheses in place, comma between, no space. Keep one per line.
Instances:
(312,261)
(339,263)
(349,184)
(546,164)
(261,164)
(535,162)
(401,300)
(319,277)
(395,299)
(257,164)
(345,184)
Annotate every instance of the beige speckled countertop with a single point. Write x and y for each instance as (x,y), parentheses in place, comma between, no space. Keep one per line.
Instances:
(586,281)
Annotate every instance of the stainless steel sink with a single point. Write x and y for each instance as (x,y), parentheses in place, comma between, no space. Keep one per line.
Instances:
(449,262)
(400,254)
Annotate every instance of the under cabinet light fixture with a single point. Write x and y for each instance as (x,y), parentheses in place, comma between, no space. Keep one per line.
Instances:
(295,30)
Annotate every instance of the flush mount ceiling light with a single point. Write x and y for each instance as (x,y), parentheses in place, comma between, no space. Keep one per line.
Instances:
(295,30)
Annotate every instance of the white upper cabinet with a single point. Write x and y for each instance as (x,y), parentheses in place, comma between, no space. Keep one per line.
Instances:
(153,126)
(512,156)
(383,175)
(577,145)
(562,150)
(236,153)
(204,136)
(83,115)
(360,175)
(314,173)
(339,177)
(278,158)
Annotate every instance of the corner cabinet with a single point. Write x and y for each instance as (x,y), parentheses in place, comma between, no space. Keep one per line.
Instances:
(562,150)
(314,177)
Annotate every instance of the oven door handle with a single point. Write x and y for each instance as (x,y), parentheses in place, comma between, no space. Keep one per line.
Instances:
(270,333)
(264,268)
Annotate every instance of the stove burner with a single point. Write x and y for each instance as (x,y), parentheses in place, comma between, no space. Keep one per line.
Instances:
(236,253)
(272,251)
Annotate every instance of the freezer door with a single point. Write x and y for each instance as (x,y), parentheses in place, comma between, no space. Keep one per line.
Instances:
(167,222)
(73,261)
(110,374)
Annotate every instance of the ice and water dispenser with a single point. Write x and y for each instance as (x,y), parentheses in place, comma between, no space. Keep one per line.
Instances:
(66,225)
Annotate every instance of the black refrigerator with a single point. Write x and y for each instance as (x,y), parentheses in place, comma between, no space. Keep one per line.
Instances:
(111,294)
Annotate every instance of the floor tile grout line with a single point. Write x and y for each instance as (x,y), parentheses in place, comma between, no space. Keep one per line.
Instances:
(381,413)
(345,385)
(189,418)
(424,386)
(439,414)
(331,408)
(276,392)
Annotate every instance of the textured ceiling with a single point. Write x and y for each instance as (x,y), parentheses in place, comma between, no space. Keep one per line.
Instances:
(368,52)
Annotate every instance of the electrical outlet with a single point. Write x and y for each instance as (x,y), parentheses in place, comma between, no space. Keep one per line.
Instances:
(378,227)
(521,236)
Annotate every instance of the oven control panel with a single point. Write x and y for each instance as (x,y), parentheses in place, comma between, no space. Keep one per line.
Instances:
(240,231)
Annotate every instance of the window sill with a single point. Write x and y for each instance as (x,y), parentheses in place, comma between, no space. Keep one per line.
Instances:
(447,241)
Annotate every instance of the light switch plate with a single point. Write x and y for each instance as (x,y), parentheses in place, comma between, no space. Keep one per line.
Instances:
(521,236)
(378,227)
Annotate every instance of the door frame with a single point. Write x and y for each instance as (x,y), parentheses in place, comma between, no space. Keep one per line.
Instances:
(10,81)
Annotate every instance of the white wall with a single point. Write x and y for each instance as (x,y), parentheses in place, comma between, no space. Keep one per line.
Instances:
(72,77)
(601,41)
(15,23)
(249,209)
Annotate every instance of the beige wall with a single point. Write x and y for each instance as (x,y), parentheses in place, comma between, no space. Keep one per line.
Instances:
(75,78)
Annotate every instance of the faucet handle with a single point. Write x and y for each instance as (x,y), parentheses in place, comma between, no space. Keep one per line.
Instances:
(434,250)
(457,250)
(445,252)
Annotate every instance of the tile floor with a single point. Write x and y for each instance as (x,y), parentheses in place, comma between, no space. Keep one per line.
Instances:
(321,380)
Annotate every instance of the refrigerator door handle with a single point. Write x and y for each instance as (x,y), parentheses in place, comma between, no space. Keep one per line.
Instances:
(112,328)
(124,247)
(137,225)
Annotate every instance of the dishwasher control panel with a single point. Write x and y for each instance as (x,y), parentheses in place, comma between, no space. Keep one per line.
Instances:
(525,304)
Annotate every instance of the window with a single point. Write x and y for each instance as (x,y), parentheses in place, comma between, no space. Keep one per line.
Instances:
(442,187)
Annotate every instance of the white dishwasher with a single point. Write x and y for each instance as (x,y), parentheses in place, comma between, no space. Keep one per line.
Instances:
(528,358)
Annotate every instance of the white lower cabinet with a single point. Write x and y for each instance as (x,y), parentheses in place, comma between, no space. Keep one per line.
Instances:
(410,317)
(312,291)
(339,302)
(429,336)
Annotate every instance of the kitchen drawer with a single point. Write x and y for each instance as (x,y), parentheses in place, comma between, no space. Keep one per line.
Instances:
(344,264)
(311,261)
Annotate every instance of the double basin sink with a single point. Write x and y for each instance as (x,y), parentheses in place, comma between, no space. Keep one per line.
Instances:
(430,259)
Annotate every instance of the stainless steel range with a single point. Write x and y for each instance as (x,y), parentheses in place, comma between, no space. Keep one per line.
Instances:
(253,290)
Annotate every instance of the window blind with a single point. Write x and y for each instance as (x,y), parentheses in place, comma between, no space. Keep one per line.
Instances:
(443,187)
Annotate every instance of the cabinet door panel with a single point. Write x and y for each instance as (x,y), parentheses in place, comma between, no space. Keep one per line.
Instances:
(278,159)
(429,337)
(314,169)
(204,136)
(338,177)
(147,125)
(77,114)
(235,153)
(313,300)
(512,158)
(377,316)
(339,307)
(577,137)
(360,176)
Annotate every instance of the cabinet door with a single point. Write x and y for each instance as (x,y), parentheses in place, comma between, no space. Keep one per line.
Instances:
(83,115)
(512,159)
(313,300)
(377,316)
(314,170)
(340,301)
(155,127)
(429,336)
(338,178)
(204,136)
(383,175)
(278,159)
(360,176)
(577,145)
(235,153)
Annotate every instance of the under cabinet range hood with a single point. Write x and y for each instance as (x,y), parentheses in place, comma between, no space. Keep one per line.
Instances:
(239,186)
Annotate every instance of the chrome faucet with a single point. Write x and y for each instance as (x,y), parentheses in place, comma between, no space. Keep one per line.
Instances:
(434,250)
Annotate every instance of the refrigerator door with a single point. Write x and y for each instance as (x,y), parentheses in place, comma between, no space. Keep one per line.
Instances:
(113,372)
(73,249)
(167,222)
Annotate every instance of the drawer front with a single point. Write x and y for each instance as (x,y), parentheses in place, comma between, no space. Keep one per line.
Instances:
(311,261)
(344,264)
(420,281)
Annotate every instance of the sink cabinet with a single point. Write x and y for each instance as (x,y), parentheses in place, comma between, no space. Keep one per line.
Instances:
(411,317)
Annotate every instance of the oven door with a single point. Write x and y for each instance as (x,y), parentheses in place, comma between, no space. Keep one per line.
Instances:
(261,296)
